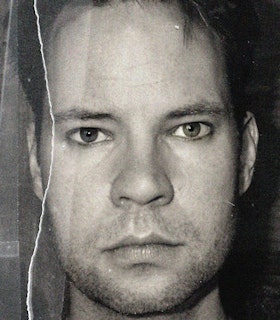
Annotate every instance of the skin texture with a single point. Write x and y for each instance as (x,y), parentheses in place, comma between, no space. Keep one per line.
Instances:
(142,214)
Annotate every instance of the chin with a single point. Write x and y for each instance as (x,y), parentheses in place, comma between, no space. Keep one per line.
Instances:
(131,301)
(167,295)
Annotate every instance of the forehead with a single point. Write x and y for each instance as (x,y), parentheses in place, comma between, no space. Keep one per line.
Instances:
(128,47)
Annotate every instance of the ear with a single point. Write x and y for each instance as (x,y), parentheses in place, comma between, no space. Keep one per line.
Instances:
(35,169)
(250,138)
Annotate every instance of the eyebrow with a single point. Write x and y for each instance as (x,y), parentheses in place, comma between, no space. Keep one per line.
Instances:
(84,115)
(188,110)
(199,109)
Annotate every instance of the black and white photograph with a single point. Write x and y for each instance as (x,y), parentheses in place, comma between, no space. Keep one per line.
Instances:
(139,160)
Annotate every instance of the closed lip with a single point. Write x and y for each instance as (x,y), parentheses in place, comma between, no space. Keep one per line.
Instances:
(152,239)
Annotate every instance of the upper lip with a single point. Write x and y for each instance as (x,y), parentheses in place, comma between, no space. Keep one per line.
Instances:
(151,239)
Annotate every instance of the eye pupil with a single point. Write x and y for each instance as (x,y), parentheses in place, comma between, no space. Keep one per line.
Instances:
(192,129)
(88,134)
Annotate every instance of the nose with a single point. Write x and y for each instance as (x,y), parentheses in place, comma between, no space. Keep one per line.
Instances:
(141,181)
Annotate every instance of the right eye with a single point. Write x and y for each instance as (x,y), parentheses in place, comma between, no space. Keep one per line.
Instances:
(88,135)
(192,130)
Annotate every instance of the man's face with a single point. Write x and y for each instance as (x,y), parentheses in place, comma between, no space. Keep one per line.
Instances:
(145,155)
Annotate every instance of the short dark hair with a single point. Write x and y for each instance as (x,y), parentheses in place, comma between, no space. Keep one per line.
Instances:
(234,23)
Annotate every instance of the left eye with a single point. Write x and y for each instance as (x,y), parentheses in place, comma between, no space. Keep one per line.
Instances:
(192,130)
(89,136)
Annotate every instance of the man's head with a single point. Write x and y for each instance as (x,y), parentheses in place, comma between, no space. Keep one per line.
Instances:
(148,157)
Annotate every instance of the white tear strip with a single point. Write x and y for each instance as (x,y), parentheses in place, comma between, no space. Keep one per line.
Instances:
(30,271)
(5,62)
(230,203)
(200,13)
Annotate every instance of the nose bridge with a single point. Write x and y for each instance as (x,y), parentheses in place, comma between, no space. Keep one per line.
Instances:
(142,178)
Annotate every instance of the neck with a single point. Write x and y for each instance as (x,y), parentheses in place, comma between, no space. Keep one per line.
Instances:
(83,308)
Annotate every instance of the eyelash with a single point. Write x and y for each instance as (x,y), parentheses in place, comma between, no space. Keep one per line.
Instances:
(93,135)
(199,130)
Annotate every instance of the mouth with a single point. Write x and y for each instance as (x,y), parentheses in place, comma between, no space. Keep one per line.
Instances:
(152,239)
(153,250)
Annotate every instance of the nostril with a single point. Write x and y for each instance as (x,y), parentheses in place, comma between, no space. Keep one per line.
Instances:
(127,203)
(156,199)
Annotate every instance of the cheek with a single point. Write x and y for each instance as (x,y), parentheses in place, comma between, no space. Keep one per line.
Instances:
(79,195)
(205,182)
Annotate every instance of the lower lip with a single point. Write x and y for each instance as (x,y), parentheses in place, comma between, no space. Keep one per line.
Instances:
(153,254)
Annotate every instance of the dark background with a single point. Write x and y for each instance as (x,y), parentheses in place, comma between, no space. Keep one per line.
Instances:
(10,307)
(252,276)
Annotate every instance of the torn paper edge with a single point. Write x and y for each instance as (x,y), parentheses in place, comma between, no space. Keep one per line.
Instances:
(31,265)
